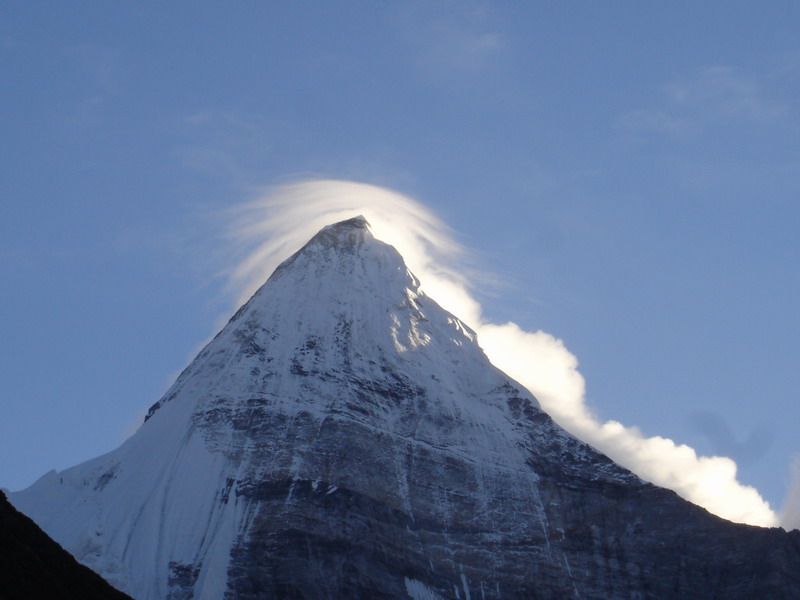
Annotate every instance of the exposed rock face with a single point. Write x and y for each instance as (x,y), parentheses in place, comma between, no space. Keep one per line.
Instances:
(33,566)
(345,437)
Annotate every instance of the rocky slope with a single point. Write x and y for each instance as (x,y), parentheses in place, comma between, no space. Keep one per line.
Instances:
(345,437)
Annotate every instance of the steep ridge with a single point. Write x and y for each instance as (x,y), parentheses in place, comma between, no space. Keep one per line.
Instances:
(345,437)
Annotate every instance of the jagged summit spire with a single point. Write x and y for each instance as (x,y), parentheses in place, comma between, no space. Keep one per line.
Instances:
(342,280)
(350,232)
(358,222)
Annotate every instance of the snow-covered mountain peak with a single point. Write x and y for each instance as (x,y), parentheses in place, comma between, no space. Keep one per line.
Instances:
(349,234)
(337,351)
(343,436)
(343,229)
(341,283)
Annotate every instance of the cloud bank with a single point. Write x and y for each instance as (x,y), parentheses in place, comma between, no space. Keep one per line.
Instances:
(271,228)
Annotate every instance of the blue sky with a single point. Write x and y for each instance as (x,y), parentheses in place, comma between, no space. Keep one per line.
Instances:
(626,172)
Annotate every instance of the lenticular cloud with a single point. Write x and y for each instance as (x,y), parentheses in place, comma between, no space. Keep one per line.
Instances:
(271,228)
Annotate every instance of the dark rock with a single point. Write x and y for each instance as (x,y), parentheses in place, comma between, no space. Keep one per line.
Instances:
(33,566)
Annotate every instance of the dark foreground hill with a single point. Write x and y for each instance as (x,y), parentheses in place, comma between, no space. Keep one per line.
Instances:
(34,567)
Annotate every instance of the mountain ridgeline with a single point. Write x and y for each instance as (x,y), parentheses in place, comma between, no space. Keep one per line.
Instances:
(345,437)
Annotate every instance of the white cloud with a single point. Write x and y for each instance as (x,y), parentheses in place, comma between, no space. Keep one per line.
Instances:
(543,364)
(283,219)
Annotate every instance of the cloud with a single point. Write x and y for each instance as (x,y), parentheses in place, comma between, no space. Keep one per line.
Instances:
(451,37)
(543,364)
(725,91)
(278,223)
(229,144)
(97,73)
(711,95)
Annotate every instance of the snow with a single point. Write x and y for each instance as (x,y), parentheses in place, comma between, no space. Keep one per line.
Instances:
(465,585)
(163,509)
(419,591)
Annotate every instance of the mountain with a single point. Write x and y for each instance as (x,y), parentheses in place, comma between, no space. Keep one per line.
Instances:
(345,437)
(34,566)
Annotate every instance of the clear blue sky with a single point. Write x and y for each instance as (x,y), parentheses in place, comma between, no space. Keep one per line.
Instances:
(628,171)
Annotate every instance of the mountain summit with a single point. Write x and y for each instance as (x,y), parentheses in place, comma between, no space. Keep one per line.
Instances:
(345,437)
